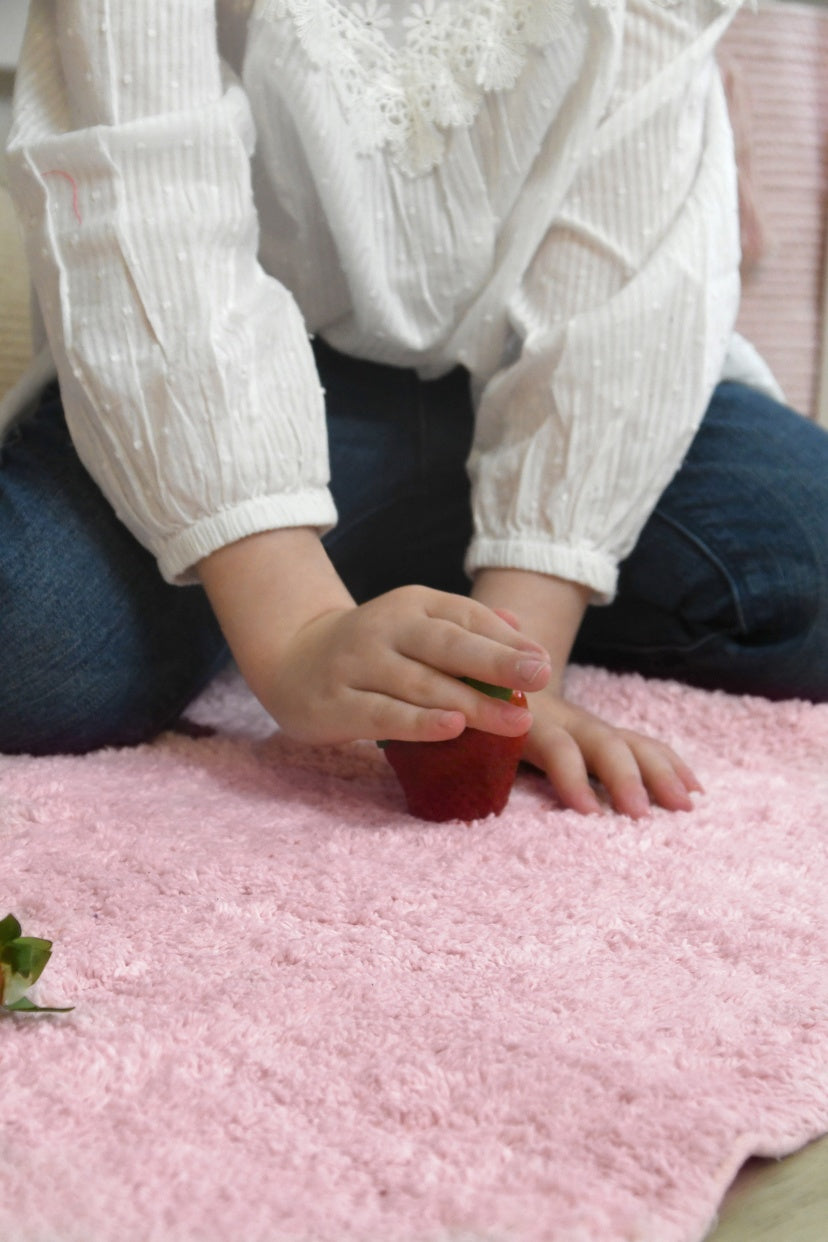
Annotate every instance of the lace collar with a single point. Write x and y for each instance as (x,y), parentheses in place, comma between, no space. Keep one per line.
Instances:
(406,73)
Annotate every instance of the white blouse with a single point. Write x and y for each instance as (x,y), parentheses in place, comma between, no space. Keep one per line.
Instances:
(541,190)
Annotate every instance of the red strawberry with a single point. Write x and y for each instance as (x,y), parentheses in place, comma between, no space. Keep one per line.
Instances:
(467,777)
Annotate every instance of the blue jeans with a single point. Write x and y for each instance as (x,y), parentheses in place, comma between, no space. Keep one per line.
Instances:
(727,586)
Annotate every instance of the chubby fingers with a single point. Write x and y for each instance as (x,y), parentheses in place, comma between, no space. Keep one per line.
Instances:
(412,702)
(393,668)
(424,686)
(509,617)
(385,716)
(636,771)
(461,637)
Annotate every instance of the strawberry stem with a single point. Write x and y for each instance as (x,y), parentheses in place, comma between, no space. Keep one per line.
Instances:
(494,692)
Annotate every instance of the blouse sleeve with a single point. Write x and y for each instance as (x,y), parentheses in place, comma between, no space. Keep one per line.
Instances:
(188,381)
(623,318)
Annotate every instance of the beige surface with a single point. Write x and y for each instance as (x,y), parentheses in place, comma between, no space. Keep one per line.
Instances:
(778,1201)
(15,340)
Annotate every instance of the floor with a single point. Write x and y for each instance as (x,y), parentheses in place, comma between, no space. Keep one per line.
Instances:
(770,1201)
(778,1201)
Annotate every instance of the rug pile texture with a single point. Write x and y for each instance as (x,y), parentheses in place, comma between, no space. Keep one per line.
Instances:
(303,1016)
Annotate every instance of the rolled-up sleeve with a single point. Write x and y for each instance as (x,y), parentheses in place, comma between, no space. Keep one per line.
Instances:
(623,319)
(186,372)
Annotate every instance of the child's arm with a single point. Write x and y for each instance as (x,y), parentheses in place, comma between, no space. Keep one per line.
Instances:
(567,742)
(186,374)
(329,671)
(623,318)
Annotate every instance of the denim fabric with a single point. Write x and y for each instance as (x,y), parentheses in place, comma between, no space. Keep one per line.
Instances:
(398,449)
(727,586)
(95,648)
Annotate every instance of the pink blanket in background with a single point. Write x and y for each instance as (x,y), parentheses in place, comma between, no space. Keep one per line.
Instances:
(302,1016)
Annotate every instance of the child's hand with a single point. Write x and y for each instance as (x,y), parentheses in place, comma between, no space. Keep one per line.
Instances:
(390,669)
(329,671)
(570,745)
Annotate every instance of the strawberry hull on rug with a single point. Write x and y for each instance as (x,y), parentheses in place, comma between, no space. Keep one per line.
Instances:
(302,1015)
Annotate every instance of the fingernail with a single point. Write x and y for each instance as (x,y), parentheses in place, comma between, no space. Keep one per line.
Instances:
(681,794)
(530,670)
(519,716)
(639,806)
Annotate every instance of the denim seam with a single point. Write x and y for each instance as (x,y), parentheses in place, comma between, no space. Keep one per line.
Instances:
(661,649)
(336,535)
(707,551)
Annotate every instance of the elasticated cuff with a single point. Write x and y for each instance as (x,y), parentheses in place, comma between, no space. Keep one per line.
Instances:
(178,554)
(576,564)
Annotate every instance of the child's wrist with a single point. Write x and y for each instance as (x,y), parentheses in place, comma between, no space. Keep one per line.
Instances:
(267,587)
(549,610)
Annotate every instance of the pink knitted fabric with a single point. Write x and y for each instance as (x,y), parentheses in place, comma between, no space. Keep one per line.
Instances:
(303,1016)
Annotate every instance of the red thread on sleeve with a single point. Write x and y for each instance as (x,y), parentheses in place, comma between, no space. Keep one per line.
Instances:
(58,172)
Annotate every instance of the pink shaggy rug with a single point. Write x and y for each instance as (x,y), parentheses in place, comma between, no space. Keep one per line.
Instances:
(303,1016)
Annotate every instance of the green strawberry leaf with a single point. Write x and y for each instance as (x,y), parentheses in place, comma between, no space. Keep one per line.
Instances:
(10,929)
(24,1005)
(27,956)
(494,692)
(22,960)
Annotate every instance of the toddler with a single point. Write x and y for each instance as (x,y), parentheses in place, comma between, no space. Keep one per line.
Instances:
(394,343)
